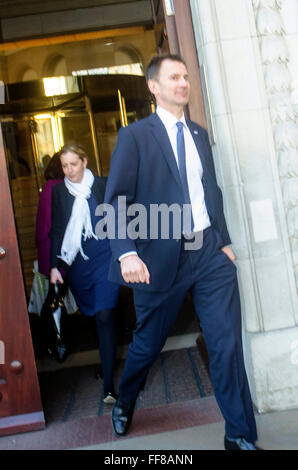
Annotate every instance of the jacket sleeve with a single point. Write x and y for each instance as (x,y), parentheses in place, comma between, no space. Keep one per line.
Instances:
(43,217)
(221,224)
(58,227)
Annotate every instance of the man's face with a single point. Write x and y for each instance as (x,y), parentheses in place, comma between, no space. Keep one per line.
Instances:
(171,88)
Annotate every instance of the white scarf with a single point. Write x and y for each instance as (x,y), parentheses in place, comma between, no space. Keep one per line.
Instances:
(79,223)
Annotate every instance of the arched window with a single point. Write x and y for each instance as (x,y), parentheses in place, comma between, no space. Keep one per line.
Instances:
(26,73)
(55,66)
(126,54)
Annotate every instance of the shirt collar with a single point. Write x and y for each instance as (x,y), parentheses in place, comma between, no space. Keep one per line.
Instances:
(168,119)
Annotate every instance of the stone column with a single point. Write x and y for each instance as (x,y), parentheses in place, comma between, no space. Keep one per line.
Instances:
(247,51)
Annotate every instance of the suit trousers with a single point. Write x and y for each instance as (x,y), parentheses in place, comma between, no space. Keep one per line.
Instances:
(211,277)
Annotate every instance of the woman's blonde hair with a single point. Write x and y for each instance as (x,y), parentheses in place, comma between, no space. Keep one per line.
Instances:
(75,148)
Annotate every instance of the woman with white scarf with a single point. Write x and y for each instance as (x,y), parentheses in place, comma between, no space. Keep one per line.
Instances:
(76,250)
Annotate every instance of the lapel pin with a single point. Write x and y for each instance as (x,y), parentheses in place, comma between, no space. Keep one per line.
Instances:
(195,132)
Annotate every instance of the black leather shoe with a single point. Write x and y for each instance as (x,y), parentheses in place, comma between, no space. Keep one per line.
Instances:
(121,416)
(239,444)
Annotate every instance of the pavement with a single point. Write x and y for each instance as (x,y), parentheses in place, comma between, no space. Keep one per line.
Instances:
(190,423)
(277,431)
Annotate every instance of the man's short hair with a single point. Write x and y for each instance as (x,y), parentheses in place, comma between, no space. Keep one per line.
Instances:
(153,67)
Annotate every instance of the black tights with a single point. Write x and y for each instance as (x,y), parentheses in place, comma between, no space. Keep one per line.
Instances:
(105,324)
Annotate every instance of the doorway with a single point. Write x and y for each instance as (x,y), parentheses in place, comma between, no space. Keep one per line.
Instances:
(37,122)
(102,94)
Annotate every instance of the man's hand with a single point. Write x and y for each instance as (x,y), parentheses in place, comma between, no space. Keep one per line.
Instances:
(229,252)
(55,276)
(134,270)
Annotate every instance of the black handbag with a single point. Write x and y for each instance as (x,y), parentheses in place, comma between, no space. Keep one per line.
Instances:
(53,318)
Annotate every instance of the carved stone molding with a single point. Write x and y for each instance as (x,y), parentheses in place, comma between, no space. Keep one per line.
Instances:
(283,110)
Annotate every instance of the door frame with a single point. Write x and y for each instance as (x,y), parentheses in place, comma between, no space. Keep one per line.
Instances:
(181,40)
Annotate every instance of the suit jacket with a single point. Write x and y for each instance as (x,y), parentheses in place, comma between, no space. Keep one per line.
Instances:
(144,169)
(62,202)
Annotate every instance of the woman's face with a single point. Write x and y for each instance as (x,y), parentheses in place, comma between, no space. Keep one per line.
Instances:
(73,167)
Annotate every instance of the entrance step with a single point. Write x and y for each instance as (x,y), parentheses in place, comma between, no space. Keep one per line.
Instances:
(94,431)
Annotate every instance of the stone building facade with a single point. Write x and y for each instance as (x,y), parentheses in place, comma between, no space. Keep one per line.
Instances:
(247,51)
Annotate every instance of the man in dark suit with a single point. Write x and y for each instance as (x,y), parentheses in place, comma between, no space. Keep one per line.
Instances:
(166,160)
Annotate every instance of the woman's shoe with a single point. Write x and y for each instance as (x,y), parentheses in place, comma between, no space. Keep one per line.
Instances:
(109,399)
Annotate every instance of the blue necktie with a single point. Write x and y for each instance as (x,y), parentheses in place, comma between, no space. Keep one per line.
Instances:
(182,166)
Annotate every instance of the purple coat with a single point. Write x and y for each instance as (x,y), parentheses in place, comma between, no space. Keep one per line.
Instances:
(43,227)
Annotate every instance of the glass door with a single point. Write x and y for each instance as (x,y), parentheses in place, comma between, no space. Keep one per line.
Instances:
(22,171)
(47,138)
(76,126)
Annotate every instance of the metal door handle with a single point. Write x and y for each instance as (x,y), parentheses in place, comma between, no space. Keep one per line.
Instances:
(2,252)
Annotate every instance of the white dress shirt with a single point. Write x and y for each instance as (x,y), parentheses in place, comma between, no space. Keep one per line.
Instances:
(194,168)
